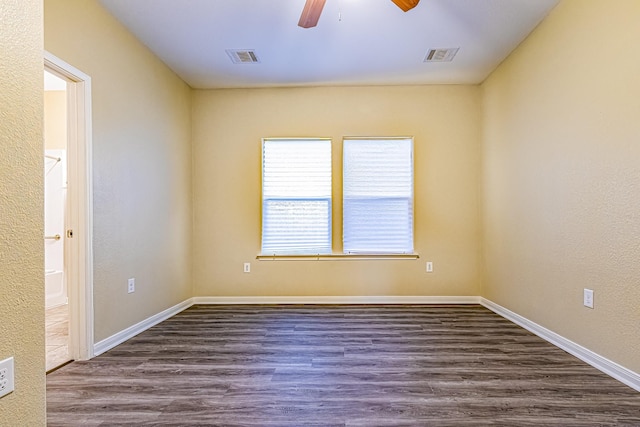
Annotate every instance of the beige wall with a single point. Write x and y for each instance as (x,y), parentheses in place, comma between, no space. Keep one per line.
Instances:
(21,211)
(141,164)
(561,174)
(227,129)
(55,120)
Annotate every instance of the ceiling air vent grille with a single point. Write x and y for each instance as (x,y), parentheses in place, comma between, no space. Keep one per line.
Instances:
(441,55)
(242,56)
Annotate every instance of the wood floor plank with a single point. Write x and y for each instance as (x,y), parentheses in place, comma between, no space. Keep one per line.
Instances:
(331,365)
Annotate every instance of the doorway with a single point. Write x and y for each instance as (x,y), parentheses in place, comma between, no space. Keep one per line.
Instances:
(68,227)
(55,208)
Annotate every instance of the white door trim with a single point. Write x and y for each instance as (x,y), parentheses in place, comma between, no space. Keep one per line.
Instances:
(79,255)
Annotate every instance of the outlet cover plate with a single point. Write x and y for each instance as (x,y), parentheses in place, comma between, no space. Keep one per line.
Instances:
(6,376)
(588,298)
(131,286)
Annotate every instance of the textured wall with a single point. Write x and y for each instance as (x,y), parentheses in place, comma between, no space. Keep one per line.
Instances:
(562,177)
(21,210)
(141,164)
(228,127)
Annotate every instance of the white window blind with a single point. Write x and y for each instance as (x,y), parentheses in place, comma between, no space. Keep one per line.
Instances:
(296,196)
(378,195)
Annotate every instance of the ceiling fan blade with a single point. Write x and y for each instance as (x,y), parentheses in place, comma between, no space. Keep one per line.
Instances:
(406,4)
(311,13)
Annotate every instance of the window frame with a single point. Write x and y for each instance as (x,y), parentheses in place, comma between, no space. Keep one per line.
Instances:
(329,200)
(411,206)
(333,255)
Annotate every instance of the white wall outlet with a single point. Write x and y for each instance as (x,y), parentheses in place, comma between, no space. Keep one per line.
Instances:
(588,298)
(429,267)
(131,285)
(6,376)
(247,267)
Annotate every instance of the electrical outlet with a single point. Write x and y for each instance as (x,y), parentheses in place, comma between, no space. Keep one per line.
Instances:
(6,376)
(429,267)
(131,283)
(588,298)
(247,267)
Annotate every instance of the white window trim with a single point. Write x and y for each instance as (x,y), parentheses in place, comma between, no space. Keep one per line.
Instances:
(383,138)
(341,256)
(337,257)
(330,199)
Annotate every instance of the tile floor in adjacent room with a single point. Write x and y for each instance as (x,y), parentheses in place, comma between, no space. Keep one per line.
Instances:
(57,336)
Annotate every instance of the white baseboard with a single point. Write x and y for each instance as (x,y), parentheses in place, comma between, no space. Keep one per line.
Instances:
(622,374)
(116,339)
(340,300)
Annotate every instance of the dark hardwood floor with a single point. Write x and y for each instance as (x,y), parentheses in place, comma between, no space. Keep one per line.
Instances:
(337,366)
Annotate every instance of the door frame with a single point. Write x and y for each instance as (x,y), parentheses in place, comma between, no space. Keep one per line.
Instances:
(79,217)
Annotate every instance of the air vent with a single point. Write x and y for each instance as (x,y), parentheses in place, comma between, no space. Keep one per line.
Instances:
(245,56)
(441,55)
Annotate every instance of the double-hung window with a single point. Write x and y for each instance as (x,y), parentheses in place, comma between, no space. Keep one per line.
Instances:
(378,195)
(296,196)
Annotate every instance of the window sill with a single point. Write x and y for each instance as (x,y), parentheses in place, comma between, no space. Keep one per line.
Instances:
(337,257)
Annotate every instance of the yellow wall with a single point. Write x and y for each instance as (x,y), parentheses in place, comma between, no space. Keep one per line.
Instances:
(55,120)
(21,210)
(561,177)
(227,129)
(141,164)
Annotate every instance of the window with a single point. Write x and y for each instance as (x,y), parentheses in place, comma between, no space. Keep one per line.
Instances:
(296,196)
(378,195)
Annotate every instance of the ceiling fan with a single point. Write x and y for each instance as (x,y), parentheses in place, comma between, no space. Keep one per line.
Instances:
(313,9)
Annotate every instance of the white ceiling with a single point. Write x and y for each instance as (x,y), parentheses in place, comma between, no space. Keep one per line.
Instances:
(356,42)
